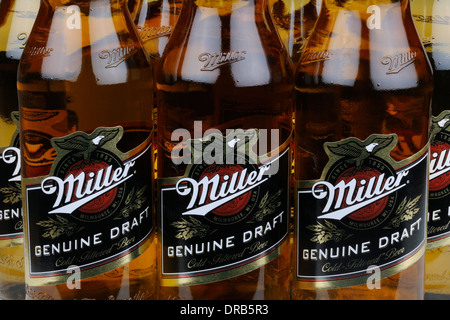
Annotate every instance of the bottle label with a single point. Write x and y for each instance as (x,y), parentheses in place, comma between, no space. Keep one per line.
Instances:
(439,185)
(93,211)
(11,225)
(224,218)
(366,213)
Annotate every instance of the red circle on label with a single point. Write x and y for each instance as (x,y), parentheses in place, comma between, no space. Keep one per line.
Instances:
(230,176)
(439,153)
(91,169)
(362,178)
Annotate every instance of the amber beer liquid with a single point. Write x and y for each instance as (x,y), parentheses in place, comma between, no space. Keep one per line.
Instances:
(85,97)
(223,84)
(16,20)
(432,19)
(363,93)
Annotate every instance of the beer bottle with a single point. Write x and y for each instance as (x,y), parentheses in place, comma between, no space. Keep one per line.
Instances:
(224,98)
(155,20)
(294,20)
(85,93)
(363,95)
(16,20)
(432,19)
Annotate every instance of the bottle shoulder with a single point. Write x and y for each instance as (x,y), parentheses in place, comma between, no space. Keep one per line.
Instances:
(224,46)
(383,59)
(60,52)
(242,67)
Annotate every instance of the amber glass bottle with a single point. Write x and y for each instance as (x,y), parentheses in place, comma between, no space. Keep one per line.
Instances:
(224,94)
(85,98)
(432,19)
(363,94)
(16,20)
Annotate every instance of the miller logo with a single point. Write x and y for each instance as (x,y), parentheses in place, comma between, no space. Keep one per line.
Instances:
(36,52)
(227,191)
(312,56)
(116,56)
(216,60)
(89,180)
(440,156)
(149,33)
(361,187)
(399,61)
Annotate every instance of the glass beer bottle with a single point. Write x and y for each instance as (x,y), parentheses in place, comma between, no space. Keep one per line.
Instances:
(16,20)
(85,100)
(363,96)
(294,20)
(432,19)
(224,98)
